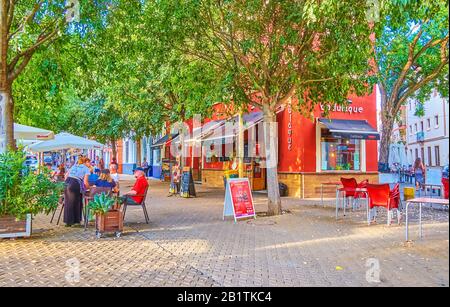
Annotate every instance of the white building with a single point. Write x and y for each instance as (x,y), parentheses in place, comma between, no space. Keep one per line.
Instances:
(428,136)
(128,155)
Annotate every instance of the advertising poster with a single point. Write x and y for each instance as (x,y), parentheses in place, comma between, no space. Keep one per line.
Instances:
(238,199)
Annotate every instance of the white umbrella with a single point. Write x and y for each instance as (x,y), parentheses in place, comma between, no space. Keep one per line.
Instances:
(65,141)
(22,132)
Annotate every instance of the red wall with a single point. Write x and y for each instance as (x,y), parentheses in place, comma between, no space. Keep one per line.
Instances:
(302,156)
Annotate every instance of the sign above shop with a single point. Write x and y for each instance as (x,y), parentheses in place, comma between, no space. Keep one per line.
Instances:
(290,130)
(238,199)
(344,109)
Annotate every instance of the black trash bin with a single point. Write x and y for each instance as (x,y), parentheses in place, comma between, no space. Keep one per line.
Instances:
(283,189)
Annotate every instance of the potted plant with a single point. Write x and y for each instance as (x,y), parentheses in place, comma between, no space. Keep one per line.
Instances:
(23,193)
(108,216)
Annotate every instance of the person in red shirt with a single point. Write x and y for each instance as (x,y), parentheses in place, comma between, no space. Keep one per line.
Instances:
(135,196)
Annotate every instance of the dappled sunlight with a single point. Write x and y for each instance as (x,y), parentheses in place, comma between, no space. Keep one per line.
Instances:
(362,234)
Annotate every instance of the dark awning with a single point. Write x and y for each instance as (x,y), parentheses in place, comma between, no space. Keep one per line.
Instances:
(350,129)
(162,141)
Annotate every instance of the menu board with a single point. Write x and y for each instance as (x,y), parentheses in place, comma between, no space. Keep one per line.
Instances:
(238,199)
(187,186)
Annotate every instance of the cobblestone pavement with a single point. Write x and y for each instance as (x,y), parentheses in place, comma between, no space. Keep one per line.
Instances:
(188,244)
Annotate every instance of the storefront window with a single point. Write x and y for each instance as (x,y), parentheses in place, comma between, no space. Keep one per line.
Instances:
(340,154)
(157,157)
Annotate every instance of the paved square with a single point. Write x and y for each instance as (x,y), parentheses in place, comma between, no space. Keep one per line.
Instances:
(188,244)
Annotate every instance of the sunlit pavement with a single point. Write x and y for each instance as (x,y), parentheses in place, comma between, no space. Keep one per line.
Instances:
(188,244)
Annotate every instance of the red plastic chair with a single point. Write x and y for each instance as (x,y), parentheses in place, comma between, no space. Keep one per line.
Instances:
(363,184)
(445,184)
(395,196)
(380,195)
(349,186)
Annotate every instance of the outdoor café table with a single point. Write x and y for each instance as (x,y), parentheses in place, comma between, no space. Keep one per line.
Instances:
(328,183)
(421,201)
(357,190)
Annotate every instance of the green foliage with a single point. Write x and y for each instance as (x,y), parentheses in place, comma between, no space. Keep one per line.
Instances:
(23,192)
(317,51)
(411,56)
(411,45)
(420,110)
(101,204)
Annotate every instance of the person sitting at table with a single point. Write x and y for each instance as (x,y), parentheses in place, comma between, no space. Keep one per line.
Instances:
(105,180)
(135,195)
(60,173)
(114,174)
(94,176)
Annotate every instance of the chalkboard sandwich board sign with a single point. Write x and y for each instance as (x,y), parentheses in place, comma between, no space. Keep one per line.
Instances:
(187,186)
(238,199)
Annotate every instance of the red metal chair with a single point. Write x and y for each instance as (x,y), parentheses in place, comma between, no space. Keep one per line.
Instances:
(445,184)
(380,195)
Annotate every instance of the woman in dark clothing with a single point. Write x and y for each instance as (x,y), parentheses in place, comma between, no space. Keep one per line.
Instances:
(76,183)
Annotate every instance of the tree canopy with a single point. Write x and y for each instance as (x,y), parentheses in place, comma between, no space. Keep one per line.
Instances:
(411,57)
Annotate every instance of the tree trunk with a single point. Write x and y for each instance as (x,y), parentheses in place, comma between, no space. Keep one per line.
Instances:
(138,152)
(387,123)
(271,150)
(6,126)
(183,154)
(241,151)
(114,149)
(6,120)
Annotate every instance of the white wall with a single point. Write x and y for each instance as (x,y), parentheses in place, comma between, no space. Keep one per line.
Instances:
(435,135)
(131,151)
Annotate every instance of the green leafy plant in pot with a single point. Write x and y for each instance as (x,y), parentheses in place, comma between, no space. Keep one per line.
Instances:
(24,193)
(107,217)
(101,204)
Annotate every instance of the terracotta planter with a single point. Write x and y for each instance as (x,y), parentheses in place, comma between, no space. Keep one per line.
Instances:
(11,228)
(112,221)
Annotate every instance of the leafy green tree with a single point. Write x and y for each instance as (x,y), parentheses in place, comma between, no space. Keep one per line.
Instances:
(97,117)
(26,27)
(272,51)
(411,57)
(147,80)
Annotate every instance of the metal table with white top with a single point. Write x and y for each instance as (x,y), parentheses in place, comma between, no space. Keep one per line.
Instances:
(421,201)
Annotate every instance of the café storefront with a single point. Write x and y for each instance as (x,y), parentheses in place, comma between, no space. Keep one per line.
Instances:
(311,151)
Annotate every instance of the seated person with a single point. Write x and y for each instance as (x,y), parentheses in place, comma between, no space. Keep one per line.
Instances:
(60,173)
(93,177)
(105,180)
(114,173)
(136,195)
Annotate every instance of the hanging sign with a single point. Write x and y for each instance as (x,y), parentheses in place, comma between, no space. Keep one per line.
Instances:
(238,199)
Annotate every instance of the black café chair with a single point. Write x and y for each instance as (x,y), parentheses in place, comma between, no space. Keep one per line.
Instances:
(60,204)
(142,204)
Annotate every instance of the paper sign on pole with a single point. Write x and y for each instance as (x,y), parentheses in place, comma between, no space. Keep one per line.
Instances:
(238,199)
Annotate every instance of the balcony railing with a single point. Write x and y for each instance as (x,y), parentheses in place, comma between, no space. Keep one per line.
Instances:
(420,136)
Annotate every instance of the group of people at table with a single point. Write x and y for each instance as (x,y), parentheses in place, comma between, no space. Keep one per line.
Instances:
(82,176)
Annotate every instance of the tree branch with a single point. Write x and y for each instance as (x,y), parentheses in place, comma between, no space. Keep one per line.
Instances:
(26,20)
